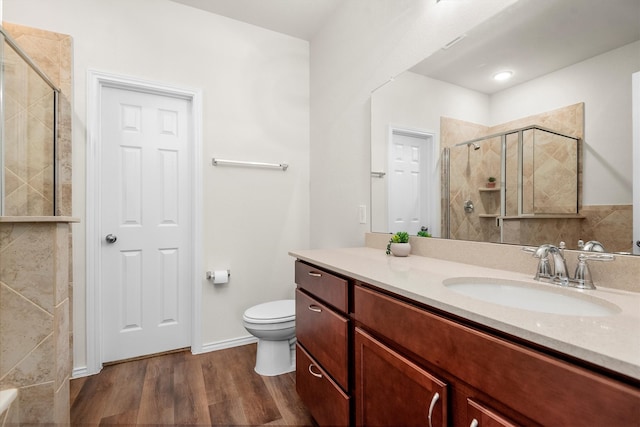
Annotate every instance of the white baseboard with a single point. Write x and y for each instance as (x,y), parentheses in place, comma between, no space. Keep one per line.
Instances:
(80,371)
(233,342)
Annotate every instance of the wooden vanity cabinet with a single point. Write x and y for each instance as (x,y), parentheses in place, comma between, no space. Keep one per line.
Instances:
(322,349)
(532,387)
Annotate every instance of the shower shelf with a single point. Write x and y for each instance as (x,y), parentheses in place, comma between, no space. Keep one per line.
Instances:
(489,189)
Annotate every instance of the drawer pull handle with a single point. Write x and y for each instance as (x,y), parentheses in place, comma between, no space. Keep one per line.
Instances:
(474,423)
(314,274)
(435,398)
(313,373)
(315,309)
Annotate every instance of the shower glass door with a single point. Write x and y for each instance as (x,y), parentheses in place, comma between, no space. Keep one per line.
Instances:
(27,142)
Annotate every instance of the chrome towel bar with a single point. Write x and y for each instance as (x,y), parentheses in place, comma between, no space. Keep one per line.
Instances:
(217,162)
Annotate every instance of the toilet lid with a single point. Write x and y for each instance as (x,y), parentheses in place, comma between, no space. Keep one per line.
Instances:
(274,311)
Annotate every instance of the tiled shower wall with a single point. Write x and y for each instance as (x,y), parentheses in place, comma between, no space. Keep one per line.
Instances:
(35,353)
(35,266)
(611,225)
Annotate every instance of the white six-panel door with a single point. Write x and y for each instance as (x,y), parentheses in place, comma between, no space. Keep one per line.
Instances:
(145,206)
(409,194)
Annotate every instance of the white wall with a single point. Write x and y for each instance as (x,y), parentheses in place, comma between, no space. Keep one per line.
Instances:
(255,87)
(366,42)
(603,83)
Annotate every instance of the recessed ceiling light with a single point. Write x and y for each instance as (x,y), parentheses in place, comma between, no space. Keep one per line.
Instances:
(503,75)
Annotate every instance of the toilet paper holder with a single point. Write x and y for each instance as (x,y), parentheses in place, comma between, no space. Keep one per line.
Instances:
(211,274)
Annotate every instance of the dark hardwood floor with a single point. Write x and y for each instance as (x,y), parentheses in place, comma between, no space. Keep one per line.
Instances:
(216,388)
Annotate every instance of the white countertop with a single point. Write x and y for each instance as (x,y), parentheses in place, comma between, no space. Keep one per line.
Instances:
(612,341)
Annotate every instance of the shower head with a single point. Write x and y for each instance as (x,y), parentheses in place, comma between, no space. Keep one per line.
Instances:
(475,146)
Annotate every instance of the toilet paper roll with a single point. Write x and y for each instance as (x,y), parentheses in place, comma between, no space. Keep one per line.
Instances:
(220,276)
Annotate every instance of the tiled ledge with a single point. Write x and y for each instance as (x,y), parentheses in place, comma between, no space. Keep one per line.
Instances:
(10,219)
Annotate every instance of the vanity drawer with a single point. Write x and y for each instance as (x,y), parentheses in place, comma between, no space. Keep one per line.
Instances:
(330,288)
(323,333)
(499,368)
(326,402)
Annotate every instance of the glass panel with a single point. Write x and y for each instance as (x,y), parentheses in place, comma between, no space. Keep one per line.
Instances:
(28,139)
(511,181)
(550,171)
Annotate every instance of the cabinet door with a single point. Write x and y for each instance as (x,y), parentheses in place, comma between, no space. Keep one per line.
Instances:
(393,391)
(479,415)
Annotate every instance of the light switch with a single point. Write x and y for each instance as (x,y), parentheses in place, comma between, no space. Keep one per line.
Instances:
(362,214)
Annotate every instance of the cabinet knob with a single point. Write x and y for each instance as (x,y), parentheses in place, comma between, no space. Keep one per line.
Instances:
(317,375)
(474,423)
(434,399)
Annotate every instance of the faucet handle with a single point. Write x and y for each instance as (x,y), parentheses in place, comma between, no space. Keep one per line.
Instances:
(596,257)
(583,274)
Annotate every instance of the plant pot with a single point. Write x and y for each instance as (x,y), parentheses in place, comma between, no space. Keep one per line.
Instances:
(400,249)
(491,185)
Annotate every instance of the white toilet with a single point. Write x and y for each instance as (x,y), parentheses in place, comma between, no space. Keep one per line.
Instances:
(274,324)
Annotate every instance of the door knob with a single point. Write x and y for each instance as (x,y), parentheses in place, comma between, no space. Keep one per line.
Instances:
(110,238)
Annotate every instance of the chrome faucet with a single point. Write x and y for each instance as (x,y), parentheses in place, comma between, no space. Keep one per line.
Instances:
(559,274)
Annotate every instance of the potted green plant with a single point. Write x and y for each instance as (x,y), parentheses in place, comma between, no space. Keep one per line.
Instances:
(424,232)
(399,244)
(491,182)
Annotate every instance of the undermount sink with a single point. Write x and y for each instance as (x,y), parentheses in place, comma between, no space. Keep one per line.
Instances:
(528,296)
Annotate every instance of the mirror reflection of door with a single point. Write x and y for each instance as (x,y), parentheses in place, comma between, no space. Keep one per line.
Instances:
(411,192)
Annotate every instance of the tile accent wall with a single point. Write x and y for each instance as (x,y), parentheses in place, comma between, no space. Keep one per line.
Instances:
(611,225)
(35,352)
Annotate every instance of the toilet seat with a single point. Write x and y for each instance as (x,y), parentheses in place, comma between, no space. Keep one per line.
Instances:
(271,312)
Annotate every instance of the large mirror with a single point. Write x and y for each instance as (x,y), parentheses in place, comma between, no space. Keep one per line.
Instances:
(572,63)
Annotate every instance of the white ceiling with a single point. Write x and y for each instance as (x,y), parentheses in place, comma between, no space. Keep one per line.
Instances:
(297,18)
(533,38)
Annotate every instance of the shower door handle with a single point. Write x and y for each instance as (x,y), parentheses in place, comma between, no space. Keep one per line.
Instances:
(111,238)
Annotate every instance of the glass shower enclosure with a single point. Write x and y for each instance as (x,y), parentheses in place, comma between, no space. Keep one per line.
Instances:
(536,171)
(28,113)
